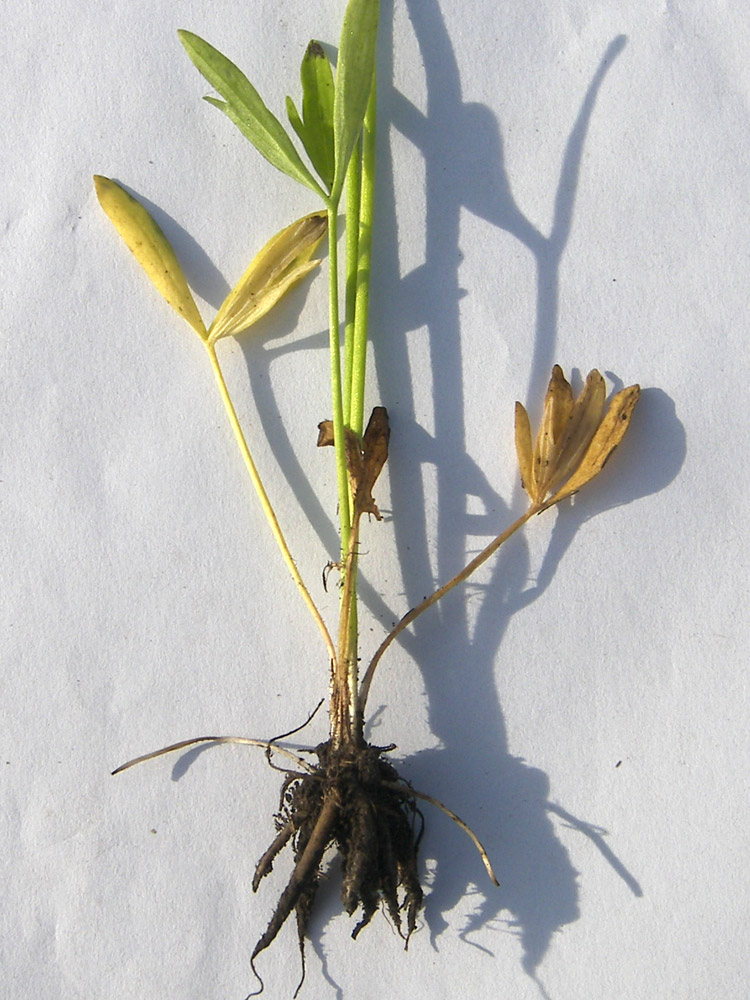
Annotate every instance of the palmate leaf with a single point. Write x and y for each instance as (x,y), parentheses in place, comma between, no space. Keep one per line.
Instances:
(354,78)
(244,106)
(608,435)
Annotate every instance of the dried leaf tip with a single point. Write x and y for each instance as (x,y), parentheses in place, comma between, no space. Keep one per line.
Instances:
(283,262)
(575,439)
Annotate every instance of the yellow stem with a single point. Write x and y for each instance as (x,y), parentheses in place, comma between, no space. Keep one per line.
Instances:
(409,617)
(265,502)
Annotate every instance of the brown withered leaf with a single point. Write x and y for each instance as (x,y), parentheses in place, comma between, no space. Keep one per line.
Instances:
(374,456)
(610,432)
(365,459)
(325,433)
(355,463)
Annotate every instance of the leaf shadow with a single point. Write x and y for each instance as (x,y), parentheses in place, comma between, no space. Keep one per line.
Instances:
(462,148)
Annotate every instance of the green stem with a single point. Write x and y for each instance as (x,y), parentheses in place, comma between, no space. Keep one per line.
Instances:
(351,269)
(342,478)
(265,502)
(348,408)
(466,572)
(364,266)
(358,300)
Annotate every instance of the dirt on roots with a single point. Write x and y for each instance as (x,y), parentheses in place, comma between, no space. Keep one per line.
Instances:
(353,800)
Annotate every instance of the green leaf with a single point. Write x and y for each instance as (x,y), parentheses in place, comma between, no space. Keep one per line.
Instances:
(295,121)
(244,106)
(317,110)
(150,247)
(354,77)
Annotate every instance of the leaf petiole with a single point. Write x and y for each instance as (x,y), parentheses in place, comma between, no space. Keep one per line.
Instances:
(265,502)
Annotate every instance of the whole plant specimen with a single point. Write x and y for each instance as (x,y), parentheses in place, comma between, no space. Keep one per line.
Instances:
(352,798)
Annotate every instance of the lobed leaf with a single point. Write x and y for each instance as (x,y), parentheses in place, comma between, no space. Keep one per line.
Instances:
(284,261)
(607,437)
(243,105)
(150,247)
(355,73)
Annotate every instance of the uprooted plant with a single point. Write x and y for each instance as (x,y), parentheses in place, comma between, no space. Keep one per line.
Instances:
(352,798)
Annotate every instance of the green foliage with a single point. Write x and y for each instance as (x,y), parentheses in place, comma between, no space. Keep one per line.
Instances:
(315,127)
(354,76)
(244,106)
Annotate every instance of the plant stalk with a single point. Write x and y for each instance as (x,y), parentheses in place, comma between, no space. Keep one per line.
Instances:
(466,572)
(346,718)
(266,503)
(342,478)
(345,715)
(351,270)
(364,267)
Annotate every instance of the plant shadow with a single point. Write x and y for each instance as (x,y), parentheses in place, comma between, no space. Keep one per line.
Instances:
(462,148)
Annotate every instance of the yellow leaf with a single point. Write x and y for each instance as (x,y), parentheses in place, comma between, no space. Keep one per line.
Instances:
(283,261)
(150,248)
(580,428)
(558,406)
(609,434)
(523,450)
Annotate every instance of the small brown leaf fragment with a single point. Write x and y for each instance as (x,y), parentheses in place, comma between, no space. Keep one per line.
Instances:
(364,459)
(374,456)
(325,433)
(355,465)
(375,443)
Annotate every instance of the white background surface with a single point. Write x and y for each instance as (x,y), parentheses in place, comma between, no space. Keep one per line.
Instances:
(564,182)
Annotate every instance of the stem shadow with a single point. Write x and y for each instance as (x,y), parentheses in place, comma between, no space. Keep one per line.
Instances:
(462,147)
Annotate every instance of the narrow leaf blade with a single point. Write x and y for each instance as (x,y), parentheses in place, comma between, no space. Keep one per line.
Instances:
(284,261)
(295,121)
(317,110)
(354,79)
(583,421)
(150,247)
(524,450)
(246,109)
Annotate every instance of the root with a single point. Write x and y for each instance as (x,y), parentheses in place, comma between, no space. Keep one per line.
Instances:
(409,791)
(268,745)
(355,801)
(352,801)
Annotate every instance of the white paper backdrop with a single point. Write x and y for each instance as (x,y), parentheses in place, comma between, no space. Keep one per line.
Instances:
(567,182)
